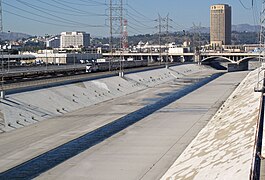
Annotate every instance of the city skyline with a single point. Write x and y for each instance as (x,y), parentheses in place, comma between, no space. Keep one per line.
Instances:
(53,16)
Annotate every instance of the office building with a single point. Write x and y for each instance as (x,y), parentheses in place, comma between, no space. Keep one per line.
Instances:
(220,25)
(74,39)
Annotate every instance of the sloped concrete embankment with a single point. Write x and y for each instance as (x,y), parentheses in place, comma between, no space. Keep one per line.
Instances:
(224,148)
(21,109)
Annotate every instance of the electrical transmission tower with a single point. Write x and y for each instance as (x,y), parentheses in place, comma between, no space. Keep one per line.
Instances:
(116,20)
(163,28)
(196,36)
(116,25)
(1,17)
(159,20)
(168,20)
(125,35)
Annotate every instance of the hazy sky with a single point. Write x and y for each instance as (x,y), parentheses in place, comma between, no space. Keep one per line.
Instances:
(39,17)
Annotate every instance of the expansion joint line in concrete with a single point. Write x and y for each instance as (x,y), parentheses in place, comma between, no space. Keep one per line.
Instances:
(201,118)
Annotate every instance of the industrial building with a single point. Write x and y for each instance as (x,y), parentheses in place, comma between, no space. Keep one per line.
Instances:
(53,42)
(75,39)
(51,57)
(220,25)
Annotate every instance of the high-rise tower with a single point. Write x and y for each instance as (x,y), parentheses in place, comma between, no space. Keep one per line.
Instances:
(220,27)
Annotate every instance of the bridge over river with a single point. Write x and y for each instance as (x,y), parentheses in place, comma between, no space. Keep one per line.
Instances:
(234,61)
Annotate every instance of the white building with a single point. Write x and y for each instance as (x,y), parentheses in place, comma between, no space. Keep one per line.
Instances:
(170,47)
(74,39)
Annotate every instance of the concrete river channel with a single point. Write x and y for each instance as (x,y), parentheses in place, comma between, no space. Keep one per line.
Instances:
(46,161)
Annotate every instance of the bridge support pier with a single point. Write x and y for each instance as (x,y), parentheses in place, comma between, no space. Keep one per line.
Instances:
(121,74)
(182,59)
(197,58)
(2,94)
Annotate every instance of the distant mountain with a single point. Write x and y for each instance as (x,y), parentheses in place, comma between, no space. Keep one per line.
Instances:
(13,36)
(246,28)
(238,28)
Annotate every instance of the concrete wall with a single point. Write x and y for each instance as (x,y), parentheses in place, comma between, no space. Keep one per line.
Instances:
(232,67)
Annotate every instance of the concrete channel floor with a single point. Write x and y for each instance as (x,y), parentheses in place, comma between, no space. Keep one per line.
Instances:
(26,143)
(148,148)
(226,147)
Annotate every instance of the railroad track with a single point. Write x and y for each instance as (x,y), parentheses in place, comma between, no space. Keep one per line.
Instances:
(62,79)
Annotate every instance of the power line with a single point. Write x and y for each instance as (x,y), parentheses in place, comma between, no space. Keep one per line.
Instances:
(139,22)
(140,27)
(56,20)
(84,4)
(59,7)
(45,17)
(39,21)
(31,13)
(139,17)
(178,25)
(71,9)
(58,12)
(245,7)
(96,2)
(135,29)
(144,16)
(61,19)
